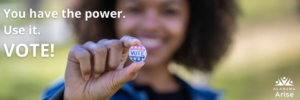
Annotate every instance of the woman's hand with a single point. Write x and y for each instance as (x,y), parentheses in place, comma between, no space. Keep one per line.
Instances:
(95,71)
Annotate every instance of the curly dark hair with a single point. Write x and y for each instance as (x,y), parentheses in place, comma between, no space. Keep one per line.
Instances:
(207,38)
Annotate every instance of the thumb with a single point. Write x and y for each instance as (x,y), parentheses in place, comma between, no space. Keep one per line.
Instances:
(128,73)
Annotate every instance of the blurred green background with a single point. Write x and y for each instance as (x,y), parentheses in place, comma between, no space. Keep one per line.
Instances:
(266,47)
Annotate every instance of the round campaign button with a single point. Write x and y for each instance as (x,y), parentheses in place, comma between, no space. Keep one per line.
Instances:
(137,53)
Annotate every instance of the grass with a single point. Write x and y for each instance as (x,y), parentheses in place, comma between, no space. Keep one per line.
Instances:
(254,84)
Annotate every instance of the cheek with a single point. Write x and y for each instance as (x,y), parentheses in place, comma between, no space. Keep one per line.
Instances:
(124,26)
(176,29)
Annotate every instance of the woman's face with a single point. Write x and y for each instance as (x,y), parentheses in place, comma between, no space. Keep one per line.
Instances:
(160,25)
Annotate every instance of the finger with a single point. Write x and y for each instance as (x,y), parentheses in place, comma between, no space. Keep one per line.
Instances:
(81,56)
(129,73)
(115,48)
(102,41)
(99,53)
(129,41)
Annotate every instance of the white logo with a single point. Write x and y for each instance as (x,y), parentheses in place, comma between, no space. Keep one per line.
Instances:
(284,87)
(284,82)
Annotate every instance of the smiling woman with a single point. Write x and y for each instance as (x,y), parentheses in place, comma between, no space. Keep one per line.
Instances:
(208,26)
(194,33)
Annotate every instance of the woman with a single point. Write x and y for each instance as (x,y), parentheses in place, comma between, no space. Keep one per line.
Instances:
(195,33)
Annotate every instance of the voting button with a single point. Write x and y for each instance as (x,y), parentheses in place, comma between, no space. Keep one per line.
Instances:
(137,53)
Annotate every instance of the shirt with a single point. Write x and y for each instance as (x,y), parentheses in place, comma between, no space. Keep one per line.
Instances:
(181,94)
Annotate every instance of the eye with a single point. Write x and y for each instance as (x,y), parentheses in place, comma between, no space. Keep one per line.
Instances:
(169,12)
(134,10)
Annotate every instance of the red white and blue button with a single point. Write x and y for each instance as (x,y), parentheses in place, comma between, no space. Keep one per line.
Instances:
(137,53)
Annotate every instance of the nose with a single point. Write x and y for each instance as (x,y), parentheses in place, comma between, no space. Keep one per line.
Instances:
(150,21)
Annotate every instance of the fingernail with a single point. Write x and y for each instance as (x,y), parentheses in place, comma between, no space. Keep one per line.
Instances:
(142,64)
(96,75)
(135,40)
(87,77)
(139,66)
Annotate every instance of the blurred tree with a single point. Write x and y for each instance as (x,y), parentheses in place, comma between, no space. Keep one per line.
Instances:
(34,4)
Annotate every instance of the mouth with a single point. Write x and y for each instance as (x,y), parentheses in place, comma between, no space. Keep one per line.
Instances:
(152,43)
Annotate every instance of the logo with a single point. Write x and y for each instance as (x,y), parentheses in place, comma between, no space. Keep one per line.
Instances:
(137,53)
(284,87)
(284,82)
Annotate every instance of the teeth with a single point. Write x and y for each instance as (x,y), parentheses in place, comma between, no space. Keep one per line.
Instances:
(150,42)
